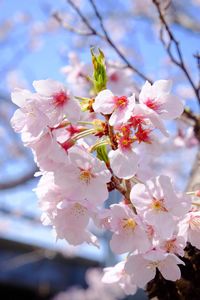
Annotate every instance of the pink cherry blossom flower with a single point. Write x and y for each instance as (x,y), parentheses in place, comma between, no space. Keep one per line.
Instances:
(49,196)
(157,98)
(120,158)
(158,203)
(84,177)
(120,108)
(29,117)
(48,153)
(128,231)
(190,228)
(56,101)
(124,163)
(150,146)
(142,114)
(174,245)
(70,223)
(117,274)
(142,267)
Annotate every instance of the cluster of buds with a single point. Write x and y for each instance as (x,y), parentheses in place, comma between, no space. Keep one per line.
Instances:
(86,147)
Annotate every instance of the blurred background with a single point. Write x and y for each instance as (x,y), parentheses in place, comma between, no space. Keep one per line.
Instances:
(43,39)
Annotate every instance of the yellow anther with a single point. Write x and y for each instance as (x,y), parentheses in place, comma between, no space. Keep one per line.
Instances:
(158,205)
(129,224)
(86,176)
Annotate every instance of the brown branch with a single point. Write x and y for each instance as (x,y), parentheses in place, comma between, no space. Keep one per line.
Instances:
(197,57)
(190,115)
(117,183)
(179,61)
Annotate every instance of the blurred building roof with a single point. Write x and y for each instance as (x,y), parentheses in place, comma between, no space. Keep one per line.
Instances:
(30,272)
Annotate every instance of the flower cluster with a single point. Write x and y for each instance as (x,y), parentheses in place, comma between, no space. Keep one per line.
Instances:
(87,148)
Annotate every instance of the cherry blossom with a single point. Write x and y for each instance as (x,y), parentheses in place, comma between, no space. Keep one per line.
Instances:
(142,267)
(104,143)
(120,162)
(56,101)
(158,203)
(29,117)
(174,245)
(117,274)
(70,223)
(190,228)
(49,196)
(48,153)
(157,98)
(129,232)
(85,177)
(120,107)
(142,115)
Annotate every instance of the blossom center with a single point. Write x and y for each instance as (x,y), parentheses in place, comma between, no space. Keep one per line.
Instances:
(152,104)
(158,205)
(121,102)
(143,135)
(153,265)
(129,224)
(125,142)
(136,120)
(170,245)
(125,129)
(79,210)
(60,98)
(86,176)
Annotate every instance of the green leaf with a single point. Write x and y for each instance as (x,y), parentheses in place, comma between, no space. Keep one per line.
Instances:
(102,153)
(99,78)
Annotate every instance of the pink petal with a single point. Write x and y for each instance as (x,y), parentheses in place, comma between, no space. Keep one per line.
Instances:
(47,87)
(104,102)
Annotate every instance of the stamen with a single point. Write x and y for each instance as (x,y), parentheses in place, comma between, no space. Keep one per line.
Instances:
(86,175)
(60,98)
(121,102)
(158,205)
(151,103)
(129,224)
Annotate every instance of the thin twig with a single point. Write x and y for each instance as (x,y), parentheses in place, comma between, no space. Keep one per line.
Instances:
(197,57)
(58,18)
(83,18)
